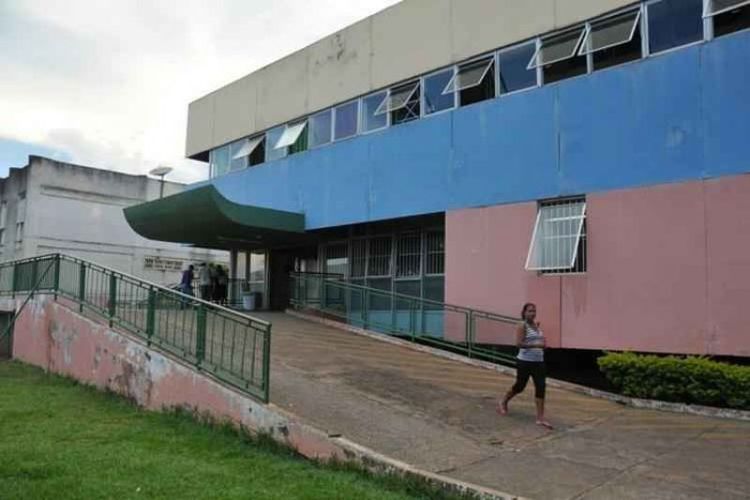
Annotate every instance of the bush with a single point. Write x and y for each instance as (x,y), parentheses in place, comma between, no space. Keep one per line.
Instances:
(689,380)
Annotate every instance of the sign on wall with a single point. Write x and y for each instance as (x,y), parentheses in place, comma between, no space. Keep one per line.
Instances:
(161,264)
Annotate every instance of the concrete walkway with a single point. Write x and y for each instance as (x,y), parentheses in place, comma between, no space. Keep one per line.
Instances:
(439,415)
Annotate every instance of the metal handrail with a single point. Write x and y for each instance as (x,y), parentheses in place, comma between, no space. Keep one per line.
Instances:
(405,315)
(232,346)
(18,312)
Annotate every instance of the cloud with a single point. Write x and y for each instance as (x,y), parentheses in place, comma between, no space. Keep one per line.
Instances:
(108,82)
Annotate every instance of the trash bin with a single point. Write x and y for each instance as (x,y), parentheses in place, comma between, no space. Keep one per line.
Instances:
(248,301)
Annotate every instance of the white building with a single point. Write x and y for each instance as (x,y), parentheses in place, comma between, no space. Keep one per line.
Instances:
(50,206)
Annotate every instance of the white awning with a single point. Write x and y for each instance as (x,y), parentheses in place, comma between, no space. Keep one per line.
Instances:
(248,148)
(291,134)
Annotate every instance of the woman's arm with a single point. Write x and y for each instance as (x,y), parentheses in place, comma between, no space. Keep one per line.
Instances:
(520,334)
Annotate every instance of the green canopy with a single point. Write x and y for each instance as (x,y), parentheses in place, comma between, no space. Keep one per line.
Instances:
(202,217)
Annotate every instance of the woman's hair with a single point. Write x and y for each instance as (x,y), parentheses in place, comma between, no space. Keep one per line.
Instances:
(526,306)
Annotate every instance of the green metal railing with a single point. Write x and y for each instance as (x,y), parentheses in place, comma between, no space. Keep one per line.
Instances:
(233,347)
(453,328)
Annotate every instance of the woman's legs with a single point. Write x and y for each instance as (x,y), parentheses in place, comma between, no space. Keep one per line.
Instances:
(523,373)
(540,388)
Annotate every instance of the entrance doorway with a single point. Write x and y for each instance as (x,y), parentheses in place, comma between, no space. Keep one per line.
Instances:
(281,264)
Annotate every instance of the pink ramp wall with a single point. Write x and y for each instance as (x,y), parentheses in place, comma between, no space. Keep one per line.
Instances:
(668,269)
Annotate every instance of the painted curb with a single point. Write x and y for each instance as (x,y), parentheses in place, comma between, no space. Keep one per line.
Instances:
(650,404)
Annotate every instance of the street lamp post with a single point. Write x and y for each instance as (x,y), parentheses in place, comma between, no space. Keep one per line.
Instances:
(160,172)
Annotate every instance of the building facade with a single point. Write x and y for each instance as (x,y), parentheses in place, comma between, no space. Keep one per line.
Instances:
(50,206)
(589,156)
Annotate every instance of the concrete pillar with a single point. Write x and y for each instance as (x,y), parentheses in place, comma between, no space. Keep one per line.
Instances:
(233,289)
(247,265)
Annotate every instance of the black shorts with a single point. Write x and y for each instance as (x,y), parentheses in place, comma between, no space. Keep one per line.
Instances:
(534,369)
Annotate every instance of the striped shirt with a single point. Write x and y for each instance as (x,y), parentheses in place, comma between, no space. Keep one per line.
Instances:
(534,354)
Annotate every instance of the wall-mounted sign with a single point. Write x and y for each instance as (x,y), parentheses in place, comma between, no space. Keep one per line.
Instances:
(162,264)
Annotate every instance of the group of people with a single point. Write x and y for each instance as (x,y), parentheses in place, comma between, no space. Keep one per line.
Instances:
(213,282)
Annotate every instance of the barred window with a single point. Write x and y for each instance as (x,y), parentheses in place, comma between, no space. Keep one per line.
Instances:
(559,241)
(359,258)
(409,255)
(380,256)
(337,260)
(435,253)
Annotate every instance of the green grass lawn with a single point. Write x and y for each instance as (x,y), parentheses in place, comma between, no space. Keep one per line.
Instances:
(62,440)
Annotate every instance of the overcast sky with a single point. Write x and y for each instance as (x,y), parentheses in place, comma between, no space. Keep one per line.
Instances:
(106,83)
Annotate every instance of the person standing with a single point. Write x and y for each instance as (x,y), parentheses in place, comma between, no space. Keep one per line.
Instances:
(186,284)
(531,344)
(204,280)
(223,285)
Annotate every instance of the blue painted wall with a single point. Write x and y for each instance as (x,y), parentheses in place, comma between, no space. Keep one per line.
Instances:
(675,117)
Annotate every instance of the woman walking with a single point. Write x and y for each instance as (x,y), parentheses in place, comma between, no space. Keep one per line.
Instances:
(531,343)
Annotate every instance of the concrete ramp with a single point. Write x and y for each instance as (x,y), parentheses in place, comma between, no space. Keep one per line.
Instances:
(439,415)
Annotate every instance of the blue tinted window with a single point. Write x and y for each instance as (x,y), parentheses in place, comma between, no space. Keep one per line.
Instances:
(434,99)
(672,23)
(345,124)
(370,104)
(236,160)
(220,161)
(272,137)
(320,129)
(513,73)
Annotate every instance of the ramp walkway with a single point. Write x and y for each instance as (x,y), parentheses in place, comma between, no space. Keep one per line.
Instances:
(439,415)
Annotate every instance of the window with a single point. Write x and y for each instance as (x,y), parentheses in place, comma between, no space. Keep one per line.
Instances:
(3,213)
(337,261)
(403,103)
(19,232)
(293,139)
(672,23)
(513,68)
(272,138)
(370,120)
(379,259)
(219,159)
(558,56)
(728,15)
(345,120)
(243,150)
(409,255)
(359,258)
(434,253)
(474,82)
(559,244)
(614,40)
(320,128)
(2,237)
(434,98)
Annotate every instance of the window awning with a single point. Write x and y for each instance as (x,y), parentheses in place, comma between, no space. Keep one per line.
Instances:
(202,217)
(248,147)
(291,134)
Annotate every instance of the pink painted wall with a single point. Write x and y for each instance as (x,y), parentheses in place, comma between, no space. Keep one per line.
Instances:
(668,269)
(52,336)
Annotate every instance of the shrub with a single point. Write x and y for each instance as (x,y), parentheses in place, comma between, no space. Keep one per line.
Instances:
(691,380)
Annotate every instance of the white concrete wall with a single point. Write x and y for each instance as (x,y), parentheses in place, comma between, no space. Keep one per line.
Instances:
(79,211)
(406,40)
